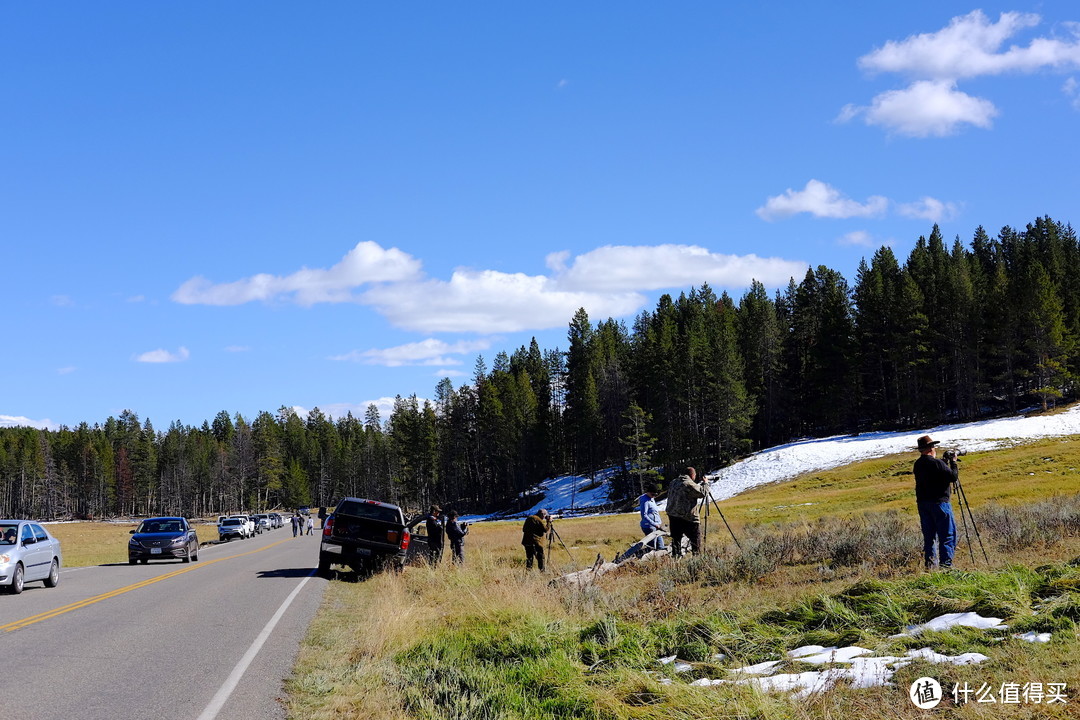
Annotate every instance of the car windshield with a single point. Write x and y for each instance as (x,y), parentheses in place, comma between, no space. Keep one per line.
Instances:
(232,521)
(8,534)
(160,526)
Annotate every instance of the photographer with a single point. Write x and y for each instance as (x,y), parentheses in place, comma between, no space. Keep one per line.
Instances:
(533,532)
(934,479)
(455,533)
(682,510)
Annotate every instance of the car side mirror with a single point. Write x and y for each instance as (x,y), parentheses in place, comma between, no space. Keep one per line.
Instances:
(131,532)
(29,541)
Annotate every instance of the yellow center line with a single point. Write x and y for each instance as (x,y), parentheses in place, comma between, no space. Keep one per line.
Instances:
(25,622)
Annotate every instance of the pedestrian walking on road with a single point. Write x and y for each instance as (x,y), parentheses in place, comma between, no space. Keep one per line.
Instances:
(310,526)
(295,524)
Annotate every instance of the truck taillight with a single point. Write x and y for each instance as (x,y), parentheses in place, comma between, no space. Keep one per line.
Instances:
(405,540)
(328,526)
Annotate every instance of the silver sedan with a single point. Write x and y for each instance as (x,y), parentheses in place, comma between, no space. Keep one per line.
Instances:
(28,553)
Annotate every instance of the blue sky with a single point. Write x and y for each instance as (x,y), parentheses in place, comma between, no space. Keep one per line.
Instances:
(243,206)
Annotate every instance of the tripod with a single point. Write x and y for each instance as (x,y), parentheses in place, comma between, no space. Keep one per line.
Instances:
(962,500)
(705,501)
(552,536)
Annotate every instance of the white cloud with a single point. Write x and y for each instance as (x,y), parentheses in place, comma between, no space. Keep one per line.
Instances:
(970,46)
(163,356)
(820,200)
(860,238)
(487,301)
(925,108)
(444,373)
(1072,91)
(20,421)
(364,264)
(337,411)
(425,352)
(929,208)
(607,282)
(654,267)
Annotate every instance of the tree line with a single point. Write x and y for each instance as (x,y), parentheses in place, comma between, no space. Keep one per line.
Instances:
(954,333)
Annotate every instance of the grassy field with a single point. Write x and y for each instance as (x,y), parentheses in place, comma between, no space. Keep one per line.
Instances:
(103,543)
(490,640)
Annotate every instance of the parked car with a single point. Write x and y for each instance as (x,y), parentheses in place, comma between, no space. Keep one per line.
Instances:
(263,521)
(277,519)
(251,527)
(158,538)
(28,553)
(365,535)
(231,527)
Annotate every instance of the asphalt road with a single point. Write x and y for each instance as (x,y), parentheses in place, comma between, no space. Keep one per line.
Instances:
(167,640)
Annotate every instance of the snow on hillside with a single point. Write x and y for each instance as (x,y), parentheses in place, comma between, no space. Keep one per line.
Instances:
(784,462)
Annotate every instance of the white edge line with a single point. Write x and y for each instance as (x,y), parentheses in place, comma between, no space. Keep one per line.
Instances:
(218,701)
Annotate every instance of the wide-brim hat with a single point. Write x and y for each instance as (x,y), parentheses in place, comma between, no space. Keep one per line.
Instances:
(925,443)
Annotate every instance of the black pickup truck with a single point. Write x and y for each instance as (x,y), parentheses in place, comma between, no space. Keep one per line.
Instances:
(365,535)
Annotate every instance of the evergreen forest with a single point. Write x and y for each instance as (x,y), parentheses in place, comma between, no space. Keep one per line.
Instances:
(955,333)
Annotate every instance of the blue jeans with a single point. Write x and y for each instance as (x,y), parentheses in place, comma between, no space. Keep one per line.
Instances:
(938,524)
(647,528)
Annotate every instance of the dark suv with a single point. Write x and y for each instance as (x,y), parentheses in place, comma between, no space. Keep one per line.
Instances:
(365,535)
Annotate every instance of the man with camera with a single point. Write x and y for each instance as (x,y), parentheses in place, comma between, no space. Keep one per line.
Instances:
(533,532)
(934,479)
(682,510)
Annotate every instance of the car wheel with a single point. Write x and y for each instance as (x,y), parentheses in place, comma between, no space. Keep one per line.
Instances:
(132,561)
(54,574)
(324,566)
(195,557)
(187,558)
(17,579)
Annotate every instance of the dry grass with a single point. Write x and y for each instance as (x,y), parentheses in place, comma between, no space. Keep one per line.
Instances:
(104,543)
(491,640)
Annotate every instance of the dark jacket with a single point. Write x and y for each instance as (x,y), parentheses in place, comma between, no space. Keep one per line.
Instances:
(533,531)
(933,479)
(434,531)
(455,532)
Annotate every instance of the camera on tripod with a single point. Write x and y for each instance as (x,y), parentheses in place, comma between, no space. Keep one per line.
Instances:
(952,455)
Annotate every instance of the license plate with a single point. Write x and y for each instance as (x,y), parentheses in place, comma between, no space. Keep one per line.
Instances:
(155,551)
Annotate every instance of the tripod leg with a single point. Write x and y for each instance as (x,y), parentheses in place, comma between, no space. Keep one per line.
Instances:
(973,524)
(967,537)
(730,531)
